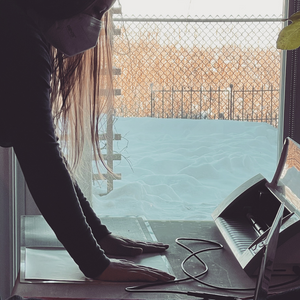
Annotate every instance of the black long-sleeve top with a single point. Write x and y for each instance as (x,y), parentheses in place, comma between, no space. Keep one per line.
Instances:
(26,125)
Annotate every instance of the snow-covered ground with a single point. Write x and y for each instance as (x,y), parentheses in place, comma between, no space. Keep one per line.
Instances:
(182,169)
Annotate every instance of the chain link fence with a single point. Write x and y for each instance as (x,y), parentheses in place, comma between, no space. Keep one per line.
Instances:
(215,68)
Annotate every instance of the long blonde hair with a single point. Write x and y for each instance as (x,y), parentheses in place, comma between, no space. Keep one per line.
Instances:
(82,92)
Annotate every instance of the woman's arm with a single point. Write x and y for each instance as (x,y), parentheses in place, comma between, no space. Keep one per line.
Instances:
(25,106)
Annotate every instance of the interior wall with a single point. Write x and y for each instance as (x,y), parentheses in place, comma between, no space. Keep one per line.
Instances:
(6,258)
(11,208)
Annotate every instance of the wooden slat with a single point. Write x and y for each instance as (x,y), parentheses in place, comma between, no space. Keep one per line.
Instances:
(116,10)
(115,156)
(116,137)
(107,176)
(117,92)
(116,31)
(116,71)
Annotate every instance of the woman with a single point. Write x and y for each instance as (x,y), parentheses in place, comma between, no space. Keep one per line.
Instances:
(30,108)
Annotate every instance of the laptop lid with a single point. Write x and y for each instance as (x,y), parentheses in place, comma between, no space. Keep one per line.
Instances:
(269,253)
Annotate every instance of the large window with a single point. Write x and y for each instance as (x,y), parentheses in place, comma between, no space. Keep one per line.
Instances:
(197,106)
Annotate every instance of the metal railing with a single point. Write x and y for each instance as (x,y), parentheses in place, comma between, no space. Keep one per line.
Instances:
(217,58)
(229,104)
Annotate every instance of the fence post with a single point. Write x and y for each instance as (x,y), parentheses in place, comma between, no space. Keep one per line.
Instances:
(182,102)
(200,106)
(271,121)
(262,103)
(231,101)
(163,102)
(252,103)
(172,99)
(219,101)
(191,112)
(243,102)
(228,103)
(210,99)
(151,99)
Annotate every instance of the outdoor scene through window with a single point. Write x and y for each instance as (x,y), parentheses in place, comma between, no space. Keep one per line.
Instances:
(195,113)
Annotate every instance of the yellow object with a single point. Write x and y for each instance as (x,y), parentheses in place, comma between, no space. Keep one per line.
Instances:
(289,36)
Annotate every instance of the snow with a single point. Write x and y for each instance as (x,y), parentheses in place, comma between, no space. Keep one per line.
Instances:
(180,169)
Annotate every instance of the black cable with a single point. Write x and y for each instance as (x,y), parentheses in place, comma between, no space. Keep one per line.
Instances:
(214,286)
(141,288)
(190,277)
(187,278)
(194,253)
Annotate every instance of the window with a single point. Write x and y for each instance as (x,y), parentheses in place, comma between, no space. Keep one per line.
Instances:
(177,77)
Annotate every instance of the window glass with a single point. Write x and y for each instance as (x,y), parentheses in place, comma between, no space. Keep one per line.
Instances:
(197,104)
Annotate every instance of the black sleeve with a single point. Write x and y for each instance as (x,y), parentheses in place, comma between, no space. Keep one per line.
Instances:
(99,230)
(25,109)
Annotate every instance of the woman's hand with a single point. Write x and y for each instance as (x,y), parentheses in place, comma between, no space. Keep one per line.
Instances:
(124,270)
(119,246)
